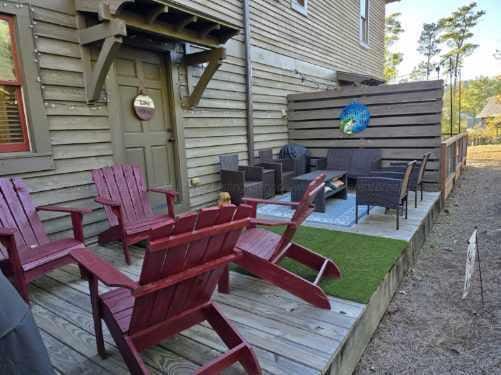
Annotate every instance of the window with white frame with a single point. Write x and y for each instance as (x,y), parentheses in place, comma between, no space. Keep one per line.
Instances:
(300,6)
(364,22)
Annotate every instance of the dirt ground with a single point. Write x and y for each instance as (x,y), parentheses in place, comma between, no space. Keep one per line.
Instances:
(428,328)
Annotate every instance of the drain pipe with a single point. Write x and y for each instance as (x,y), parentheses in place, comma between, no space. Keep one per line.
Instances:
(248,83)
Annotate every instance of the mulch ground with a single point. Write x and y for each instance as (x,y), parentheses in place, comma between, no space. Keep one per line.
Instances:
(428,328)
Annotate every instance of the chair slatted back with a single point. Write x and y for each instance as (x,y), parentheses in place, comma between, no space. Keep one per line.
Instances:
(422,167)
(406,179)
(229,162)
(18,212)
(124,184)
(178,251)
(303,210)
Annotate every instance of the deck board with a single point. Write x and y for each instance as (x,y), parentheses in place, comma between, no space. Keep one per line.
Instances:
(288,335)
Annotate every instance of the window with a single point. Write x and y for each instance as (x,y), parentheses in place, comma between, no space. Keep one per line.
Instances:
(24,128)
(300,6)
(364,22)
(13,132)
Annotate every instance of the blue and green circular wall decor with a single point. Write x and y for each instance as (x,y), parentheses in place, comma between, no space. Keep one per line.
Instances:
(354,118)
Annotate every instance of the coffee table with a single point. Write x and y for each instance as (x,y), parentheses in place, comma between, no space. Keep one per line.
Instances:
(300,184)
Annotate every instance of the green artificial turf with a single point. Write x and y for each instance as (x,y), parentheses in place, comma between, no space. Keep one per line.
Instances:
(363,260)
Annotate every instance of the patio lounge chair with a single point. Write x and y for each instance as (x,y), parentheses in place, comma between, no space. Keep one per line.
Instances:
(122,191)
(416,181)
(27,252)
(182,265)
(241,180)
(263,250)
(284,169)
(390,191)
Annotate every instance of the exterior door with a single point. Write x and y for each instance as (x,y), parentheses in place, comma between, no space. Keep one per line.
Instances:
(147,143)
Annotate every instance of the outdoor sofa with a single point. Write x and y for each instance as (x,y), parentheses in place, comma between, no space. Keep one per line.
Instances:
(357,162)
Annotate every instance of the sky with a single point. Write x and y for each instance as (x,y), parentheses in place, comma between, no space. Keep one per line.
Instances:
(487,33)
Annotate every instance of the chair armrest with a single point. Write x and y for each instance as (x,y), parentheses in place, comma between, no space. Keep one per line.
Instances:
(101,269)
(7,232)
(69,210)
(170,195)
(271,223)
(76,218)
(271,165)
(252,173)
(252,201)
(107,202)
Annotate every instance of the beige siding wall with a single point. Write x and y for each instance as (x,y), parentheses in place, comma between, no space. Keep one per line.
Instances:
(218,125)
(328,36)
(287,57)
(80,134)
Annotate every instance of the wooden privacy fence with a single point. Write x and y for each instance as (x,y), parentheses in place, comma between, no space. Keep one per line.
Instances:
(405,121)
(452,161)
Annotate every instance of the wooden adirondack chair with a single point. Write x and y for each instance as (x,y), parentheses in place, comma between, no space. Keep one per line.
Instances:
(262,251)
(27,253)
(122,191)
(182,265)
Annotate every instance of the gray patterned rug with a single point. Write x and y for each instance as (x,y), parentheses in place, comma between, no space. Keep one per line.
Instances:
(338,211)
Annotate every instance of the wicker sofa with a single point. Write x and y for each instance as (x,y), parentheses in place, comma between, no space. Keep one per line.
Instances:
(357,162)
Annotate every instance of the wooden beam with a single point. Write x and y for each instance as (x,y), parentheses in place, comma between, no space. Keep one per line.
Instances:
(168,31)
(204,56)
(92,6)
(95,78)
(215,58)
(102,31)
(210,29)
(185,22)
(155,12)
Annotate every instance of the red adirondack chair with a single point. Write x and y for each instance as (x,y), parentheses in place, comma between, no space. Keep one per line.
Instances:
(122,191)
(27,252)
(262,251)
(182,265)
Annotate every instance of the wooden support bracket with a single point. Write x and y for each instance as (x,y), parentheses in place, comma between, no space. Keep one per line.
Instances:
(215,58)
(190,19)
(155,13)
(110,33)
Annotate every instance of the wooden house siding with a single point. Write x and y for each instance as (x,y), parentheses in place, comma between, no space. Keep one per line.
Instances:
(287,58)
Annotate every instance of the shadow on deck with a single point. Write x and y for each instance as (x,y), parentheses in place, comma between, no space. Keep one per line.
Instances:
(288,335)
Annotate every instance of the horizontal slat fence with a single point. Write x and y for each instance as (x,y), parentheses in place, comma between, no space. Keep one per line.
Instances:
(405,121)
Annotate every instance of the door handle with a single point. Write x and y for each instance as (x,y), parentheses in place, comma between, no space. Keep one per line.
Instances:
(171,140)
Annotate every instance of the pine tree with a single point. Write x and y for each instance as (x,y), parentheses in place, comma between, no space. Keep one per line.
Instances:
(457,31)
(428,45)
(393,29)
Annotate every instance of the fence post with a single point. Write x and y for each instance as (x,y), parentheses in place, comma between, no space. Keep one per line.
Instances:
(443,171)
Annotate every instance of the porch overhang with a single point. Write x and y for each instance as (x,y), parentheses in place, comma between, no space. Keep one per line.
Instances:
(165,21)
(164,18)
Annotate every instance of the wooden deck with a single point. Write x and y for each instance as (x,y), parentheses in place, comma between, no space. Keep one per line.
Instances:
(288,335)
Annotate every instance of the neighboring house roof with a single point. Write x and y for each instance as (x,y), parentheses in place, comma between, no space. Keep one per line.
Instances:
(492,108)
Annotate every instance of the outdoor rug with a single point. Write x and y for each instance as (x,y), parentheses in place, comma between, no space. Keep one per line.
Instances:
(338,212)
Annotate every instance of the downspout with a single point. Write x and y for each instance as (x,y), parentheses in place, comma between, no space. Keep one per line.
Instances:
(248,83)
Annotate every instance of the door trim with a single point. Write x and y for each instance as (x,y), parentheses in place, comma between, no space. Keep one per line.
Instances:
(176,115)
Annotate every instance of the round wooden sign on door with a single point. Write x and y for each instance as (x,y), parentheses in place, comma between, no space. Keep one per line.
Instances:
(144,107)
